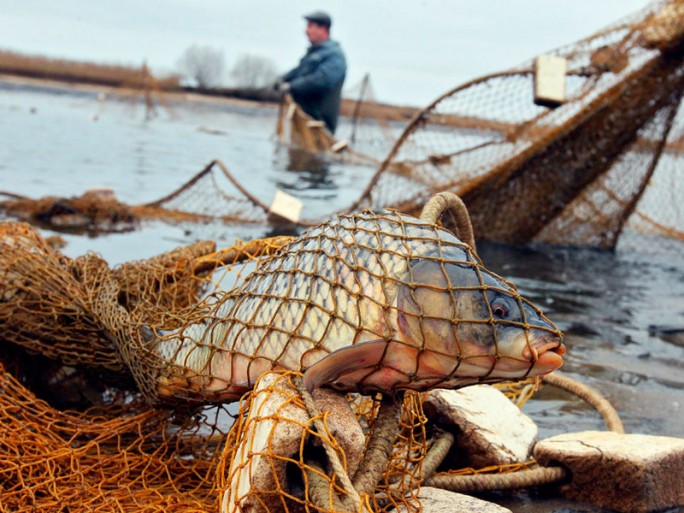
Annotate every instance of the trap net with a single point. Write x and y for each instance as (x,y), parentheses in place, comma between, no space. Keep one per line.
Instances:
(211,195)
(134,419)
(366,132)
(95,210)
(579,164)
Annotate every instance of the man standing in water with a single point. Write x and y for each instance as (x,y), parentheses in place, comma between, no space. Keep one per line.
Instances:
(316,83)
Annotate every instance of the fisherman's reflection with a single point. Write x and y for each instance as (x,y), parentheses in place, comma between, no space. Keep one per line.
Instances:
(310,171)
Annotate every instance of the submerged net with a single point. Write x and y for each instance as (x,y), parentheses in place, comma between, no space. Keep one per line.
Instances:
(158,349)
(95,210)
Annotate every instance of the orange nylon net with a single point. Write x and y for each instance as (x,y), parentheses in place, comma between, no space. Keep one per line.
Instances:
(122,457)
(140,366)
(277,461)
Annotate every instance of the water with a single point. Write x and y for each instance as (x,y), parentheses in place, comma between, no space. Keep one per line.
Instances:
(61,142)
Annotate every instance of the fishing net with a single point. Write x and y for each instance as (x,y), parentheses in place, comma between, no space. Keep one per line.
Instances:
(56,306)
(118,452)
(45,306)
(151,430)
(211,195)
(95,210)
(579,171)
(370,126)
(277,462)
(297,129)
(367,128)
(121,457)
(597,166)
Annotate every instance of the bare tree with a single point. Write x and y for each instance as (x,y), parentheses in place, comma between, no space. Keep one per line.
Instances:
(254,71)
(203,64)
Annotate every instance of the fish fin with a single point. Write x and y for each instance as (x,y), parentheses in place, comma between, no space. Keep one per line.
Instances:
(350,358)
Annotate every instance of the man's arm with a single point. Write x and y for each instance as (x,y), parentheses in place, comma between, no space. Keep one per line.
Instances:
(326,76)
(287,77)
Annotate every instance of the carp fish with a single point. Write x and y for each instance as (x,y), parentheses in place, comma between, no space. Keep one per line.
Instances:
(365,302)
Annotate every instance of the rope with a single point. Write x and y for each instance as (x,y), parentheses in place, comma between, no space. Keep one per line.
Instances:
(610,416)
(443,440)
(490,482)
(376,457)
(239,253)
(334,459)
(319,491)
(448,202)
(13,195)
(379,447)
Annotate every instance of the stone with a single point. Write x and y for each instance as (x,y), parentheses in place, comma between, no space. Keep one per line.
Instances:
(491,430)
(436,500)
(628,473)
(274,426)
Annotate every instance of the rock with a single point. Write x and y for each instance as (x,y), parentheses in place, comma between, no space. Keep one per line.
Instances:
(626,473)
(491,429)
(436,500)
(272,434)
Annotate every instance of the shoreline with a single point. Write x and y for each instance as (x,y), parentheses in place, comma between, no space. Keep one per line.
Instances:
(371,110)
(187,96)
(242,97)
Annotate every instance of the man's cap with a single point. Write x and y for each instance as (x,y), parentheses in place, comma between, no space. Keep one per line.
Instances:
(320,17)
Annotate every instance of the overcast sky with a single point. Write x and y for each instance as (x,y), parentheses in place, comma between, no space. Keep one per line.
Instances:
(413,49)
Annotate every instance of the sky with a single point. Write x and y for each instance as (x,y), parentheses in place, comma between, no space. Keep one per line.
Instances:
(414,50)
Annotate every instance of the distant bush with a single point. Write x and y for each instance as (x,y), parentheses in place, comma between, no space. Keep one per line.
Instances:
(204,65)
(13,63)
(253,71)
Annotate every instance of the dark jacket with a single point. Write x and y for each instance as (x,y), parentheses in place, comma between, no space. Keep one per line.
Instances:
(316,84)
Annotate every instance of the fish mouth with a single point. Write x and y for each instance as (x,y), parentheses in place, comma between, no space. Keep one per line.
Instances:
(546,356)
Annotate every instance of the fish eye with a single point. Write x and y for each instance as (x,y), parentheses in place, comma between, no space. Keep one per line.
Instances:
(500,308)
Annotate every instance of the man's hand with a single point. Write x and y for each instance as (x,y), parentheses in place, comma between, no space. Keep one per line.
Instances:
(281,86)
